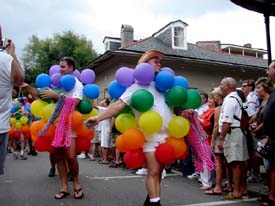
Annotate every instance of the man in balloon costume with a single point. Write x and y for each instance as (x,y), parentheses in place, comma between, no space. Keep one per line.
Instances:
(64,141)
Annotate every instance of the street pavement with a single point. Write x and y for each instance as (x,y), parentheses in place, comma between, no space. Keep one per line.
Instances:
(26,183)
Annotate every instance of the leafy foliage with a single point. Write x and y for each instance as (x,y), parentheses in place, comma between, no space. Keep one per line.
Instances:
(39,55)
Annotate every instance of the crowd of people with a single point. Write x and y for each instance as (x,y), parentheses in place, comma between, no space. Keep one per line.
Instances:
(238,152)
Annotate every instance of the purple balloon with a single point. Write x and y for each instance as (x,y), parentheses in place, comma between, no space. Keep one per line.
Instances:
(77,74)
(168,69)
(144,73)
(55,80)
(54,69)
(87,76)
(125,76)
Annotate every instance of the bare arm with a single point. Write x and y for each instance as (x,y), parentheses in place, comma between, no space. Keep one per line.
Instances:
(216,125)
(108,113)
(17,74)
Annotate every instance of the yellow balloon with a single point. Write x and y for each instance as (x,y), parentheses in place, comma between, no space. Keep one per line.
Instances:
(48,110)
(18,125)
(178,127)
(13,120)
(124,122)
(24,120)
(93,113)
(37,107)
(150,122)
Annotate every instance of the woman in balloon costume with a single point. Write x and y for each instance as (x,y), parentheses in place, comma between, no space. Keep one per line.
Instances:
(151,133)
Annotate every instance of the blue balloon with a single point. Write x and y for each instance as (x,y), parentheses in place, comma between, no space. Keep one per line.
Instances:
(115,89)
(67,82)
(181,81)
(91,91)
(164,80)
(43,80)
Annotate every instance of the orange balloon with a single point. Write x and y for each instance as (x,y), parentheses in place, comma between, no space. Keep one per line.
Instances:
(133,138)
(120,145)
(179,146)
(83,131)
(25,128)
(77,120)
(50,131)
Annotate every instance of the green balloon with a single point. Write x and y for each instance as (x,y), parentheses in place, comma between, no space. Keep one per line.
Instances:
(18,116)
(17,107)
(142,100)
(176,96)
(85,107)
(193,99)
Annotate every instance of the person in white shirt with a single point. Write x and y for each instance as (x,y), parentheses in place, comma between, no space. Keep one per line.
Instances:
(232,140)
(11,74)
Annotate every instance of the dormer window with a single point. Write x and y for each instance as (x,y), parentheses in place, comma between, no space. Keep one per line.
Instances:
(178,37)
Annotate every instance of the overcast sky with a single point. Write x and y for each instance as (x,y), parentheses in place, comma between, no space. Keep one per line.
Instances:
(95,19)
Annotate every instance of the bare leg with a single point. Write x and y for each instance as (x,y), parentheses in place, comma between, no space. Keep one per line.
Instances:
(60,154)
(74,167)
(236,166)
(154,170)
(219,173)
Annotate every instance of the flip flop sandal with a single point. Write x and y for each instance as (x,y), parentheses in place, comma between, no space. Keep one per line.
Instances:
(212,192)
(61,195)
(76,192)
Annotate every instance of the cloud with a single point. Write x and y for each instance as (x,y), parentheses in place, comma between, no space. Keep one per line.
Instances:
(207,20)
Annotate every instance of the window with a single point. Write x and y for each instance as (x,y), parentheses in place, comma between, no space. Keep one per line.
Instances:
(179,37)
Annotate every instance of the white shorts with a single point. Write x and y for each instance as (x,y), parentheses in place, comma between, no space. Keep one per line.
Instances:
(150,146)
(106,140)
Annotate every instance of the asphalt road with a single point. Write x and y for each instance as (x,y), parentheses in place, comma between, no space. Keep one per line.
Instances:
(26,183)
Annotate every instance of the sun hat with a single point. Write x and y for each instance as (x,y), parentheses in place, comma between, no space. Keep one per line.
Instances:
(149,55)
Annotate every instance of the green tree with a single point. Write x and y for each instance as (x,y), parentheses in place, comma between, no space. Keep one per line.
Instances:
(40,54)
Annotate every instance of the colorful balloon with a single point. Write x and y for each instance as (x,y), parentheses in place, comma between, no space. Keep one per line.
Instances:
(43,80)
(150,122)
(165,153)
(193,99)
(67,82)
(181,81)
(87,76)
(179,146)
(124,122)
(144,73)
(37,107)
(164,80)
(133,138)
(85,107)
(178,126)
(134,159)
(54,69)
(125,76)
(115,89)
(91,91)
(142,100)
(176,96)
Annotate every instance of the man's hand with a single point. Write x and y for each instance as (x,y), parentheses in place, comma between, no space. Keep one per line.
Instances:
(48,94)
(91,122)
(220,144)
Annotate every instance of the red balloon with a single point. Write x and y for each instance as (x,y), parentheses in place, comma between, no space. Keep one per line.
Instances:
(43,144)
(82,143)
(27,134)
(165,153)
(16,135)
(134,158)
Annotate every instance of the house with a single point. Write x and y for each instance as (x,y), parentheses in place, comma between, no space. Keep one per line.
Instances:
(204,64)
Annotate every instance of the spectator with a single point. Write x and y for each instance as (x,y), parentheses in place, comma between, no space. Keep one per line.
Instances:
(11,74)
(232,140)
(269,129)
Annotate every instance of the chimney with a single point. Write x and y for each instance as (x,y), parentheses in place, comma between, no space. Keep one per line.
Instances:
(248,45)
(127,34)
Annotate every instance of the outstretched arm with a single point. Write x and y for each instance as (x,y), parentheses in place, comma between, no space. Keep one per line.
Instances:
(107,113)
